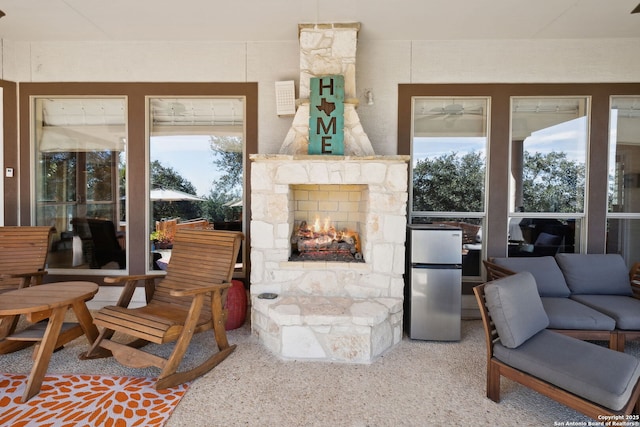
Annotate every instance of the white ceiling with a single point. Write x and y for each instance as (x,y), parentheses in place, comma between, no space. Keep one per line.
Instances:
(277,20)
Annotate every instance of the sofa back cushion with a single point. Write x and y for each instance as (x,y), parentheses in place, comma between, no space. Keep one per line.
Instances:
(515,307)
(545,270)
(595,274)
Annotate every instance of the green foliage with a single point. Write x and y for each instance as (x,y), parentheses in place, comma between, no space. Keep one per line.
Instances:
(449,183)
(166,177)
(552,183)
(227,158)
(454,183)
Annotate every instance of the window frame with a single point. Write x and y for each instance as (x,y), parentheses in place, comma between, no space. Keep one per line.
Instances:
(136,137)
(499,146)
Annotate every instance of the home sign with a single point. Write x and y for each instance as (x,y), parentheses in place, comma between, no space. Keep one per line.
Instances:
(326,115)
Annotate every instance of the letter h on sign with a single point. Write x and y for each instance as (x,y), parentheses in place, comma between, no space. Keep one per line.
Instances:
(326,115)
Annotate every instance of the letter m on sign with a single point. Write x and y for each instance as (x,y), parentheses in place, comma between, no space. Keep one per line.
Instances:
(326,115)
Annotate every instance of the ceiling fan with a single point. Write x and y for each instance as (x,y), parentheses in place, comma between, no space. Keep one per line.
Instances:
(637,9)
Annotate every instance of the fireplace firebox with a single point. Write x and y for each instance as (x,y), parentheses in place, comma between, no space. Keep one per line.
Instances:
(327,222)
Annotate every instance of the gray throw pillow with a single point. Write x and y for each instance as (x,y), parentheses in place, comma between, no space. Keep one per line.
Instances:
(515,307)
(595,274)
(548,275)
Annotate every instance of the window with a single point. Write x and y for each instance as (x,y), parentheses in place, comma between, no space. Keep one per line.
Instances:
(623,218)
(80,163)
(196,153)
(448,167)
(547,174)
(84,163)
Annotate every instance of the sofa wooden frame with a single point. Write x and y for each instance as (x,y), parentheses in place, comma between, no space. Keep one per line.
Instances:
(497,369)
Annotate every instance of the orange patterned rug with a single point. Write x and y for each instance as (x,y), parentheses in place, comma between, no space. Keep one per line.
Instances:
(87,400)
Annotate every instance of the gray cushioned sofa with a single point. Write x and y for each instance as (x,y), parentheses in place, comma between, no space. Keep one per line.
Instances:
(586,296)
(592,379)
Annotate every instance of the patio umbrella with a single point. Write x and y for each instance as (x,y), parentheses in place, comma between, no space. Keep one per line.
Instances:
(234,204)
(168,195)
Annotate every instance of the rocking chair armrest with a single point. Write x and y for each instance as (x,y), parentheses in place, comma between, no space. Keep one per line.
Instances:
(24,274)
(133,278)
(181,291)
(130,283)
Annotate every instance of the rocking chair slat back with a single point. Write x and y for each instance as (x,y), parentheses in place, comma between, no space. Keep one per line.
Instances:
(23,249)
(201,259)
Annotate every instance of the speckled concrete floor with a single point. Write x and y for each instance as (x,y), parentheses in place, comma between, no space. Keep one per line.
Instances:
(417,383)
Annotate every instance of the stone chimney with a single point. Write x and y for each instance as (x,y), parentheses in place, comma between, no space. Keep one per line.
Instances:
(328,49)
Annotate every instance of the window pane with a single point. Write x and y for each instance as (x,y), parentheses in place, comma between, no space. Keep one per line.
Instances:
(623,226)
(449,154)
(80,185)
(448,158)
(548,154)
(543,236)
(622,235)
(624,158)
(196,170)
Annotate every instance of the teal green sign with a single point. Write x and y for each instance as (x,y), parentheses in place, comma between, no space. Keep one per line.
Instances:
(326,115)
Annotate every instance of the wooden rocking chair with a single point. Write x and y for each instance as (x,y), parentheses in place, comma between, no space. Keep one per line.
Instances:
(188,300)
(23,257)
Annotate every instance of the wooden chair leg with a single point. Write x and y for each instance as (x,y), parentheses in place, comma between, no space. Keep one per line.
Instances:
(493,381)
(621,341)
(169,377)
(95,351)
(613,340)
(185,337)
(218,314)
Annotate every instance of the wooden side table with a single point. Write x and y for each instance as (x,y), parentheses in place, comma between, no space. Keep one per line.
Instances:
(50,301)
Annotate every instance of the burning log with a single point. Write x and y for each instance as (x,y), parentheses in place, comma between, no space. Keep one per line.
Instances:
(307,239)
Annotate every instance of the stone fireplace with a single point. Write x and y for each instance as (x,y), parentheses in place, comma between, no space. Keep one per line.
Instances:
(344,311)
(339,311)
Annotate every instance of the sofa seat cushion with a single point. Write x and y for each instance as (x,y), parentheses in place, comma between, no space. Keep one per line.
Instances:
(592,274)
(596,373)
(545,270)
(566,313)
(515,308)
(624,310)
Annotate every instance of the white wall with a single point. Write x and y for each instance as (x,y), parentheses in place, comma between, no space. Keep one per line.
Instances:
(381,66)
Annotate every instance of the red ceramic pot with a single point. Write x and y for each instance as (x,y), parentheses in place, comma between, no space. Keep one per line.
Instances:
(236,305)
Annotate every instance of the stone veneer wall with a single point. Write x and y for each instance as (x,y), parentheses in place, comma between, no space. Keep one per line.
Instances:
(327,49)
(272,224)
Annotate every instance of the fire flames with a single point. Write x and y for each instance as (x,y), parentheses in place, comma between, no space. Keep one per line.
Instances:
(322,238)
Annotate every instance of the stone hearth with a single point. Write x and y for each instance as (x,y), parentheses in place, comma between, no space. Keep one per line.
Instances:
(336,311)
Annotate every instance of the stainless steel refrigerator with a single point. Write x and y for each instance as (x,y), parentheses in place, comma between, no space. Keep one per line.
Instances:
(433,282)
